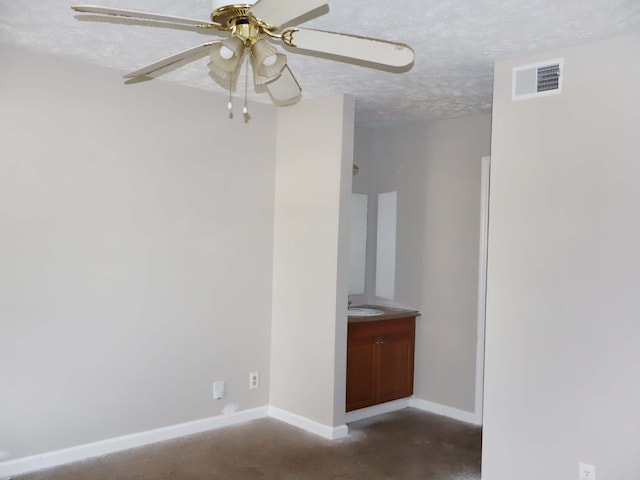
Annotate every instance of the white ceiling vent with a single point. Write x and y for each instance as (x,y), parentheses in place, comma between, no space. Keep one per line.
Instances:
(537,80)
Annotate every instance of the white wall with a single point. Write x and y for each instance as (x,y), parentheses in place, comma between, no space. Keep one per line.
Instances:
(435,168)
(310,282)
(136,234)
(563,305)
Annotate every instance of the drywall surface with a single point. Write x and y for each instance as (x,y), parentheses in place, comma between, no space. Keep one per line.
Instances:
(562,356)
(435,168)
(311,243)
(136,223)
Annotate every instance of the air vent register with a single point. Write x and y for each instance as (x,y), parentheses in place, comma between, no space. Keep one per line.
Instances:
(537,80)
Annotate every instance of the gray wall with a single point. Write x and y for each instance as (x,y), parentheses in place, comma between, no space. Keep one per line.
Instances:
(563,305)
(310,273)
(435,168)
(136,240)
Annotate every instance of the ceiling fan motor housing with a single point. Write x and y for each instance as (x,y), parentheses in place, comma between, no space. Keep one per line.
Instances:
(227,15)
(239,20)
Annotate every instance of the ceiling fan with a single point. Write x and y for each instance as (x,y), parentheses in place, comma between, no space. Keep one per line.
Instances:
(249,27)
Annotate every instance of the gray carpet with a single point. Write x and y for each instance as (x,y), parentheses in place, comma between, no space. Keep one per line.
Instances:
(408,444)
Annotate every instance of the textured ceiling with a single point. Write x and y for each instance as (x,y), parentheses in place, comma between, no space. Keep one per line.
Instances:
(456,43)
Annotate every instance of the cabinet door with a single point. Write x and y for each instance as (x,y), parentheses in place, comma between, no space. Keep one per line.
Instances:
(379,361)
(360,373)
(395,366)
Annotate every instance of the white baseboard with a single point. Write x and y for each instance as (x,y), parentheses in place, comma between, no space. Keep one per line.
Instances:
(414,402)
(331,433)
(60,457)
(456,414)
(112,445)
(387,407)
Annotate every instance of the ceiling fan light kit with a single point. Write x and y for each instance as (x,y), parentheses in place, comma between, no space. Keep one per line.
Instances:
(248,27)
(266,61)
(225,56)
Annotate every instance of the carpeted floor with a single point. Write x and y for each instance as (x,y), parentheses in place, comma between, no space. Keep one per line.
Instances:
(407,444)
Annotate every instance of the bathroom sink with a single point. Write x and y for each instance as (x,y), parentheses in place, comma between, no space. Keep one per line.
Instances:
(364,312)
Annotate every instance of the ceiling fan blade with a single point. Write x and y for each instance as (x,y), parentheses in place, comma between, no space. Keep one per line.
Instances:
(190,54)
(350,46)
(284,90)
(142,15)
(279,12)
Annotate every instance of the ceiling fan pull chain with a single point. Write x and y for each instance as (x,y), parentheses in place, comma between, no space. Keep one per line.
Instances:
(230,105)
(245,109)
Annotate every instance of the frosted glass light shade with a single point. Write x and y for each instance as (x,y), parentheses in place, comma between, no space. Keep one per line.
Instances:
(225,57)
(225,52)
(267,63)
(284,90)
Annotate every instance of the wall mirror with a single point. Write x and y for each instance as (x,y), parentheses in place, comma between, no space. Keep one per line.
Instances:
(386,245)
(358,252)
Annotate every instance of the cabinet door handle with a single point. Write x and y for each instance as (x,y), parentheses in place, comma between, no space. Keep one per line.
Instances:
(380,342)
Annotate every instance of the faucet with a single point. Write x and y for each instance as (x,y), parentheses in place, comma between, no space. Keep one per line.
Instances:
(348,303)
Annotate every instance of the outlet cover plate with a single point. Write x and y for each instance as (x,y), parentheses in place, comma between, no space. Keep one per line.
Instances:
(586,471)
(254,380)
(218,389)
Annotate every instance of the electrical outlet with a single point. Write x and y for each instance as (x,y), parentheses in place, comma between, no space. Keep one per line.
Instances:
(586,471)
(254,380)
(218,389)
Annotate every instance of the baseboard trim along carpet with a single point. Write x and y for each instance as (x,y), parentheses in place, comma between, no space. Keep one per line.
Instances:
(125,442)
(456,414)
(367,412)
(414,402)
(332,433)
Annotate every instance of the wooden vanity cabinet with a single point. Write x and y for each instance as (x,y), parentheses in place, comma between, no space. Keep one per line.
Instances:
(379,361)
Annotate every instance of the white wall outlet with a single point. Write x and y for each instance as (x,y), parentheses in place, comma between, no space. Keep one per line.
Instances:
(586,471)
(218,389)
(254,380)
